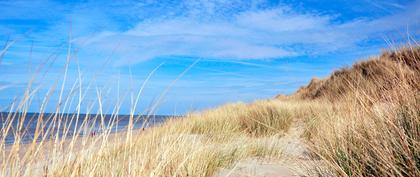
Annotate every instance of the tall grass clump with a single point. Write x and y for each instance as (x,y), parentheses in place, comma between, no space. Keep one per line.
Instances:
(370,125)
(261,118)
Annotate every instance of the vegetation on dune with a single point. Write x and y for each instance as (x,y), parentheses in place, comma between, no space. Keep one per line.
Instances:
(261,118)
(197,145)
(372,126)
(391,73)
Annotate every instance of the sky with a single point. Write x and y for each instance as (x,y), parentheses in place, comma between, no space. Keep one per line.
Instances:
(174,57)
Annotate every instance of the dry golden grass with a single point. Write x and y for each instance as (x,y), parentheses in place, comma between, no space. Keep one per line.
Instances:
(369,124)
(375,78)
(197,145)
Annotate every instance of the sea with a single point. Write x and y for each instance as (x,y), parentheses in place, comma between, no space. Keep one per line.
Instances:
(19,127)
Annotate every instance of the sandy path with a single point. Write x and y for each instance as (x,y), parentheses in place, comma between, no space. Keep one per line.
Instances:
(296,160)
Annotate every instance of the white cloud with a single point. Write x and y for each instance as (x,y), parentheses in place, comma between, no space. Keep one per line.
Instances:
(281,20)
(254,33)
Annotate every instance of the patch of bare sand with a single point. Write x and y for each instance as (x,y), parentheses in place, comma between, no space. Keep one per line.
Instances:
(296,160)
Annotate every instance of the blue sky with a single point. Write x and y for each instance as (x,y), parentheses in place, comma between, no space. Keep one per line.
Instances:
(246,50)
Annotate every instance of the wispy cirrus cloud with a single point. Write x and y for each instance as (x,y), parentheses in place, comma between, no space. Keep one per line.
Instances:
(250,32)
(216,29)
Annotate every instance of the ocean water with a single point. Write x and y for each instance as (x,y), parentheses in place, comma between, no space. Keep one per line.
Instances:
(19,127)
